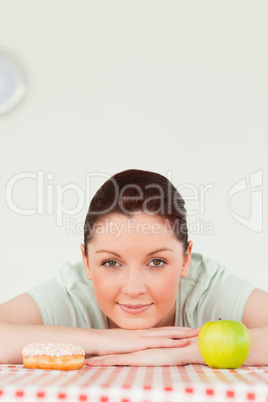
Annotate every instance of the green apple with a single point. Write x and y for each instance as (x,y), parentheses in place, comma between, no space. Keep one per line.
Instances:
(224,343)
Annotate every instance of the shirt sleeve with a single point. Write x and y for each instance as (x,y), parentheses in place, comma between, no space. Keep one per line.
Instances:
(68,299)
(217,294)
(55,305)
(226,297)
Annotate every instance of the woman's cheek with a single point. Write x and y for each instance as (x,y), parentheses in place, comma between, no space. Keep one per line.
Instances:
(164,284)
(106,283)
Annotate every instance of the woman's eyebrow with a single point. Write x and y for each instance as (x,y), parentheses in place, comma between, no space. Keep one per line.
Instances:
(152,252)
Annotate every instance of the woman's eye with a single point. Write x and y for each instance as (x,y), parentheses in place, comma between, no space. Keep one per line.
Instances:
(158,263)
(110,263)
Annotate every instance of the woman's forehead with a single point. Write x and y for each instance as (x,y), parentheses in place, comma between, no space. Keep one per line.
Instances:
(140,227)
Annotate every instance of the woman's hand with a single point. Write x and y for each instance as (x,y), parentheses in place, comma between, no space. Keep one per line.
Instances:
(118,341)
(152,357)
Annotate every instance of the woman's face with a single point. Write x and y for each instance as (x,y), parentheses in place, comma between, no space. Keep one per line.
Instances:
(136,264)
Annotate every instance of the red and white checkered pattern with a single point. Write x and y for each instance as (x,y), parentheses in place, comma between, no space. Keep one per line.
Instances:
(191,383)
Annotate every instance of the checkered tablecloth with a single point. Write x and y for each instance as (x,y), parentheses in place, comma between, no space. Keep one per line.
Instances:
(134,384)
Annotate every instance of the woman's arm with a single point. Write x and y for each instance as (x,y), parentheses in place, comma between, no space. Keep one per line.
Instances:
(152,357)
(255,318)
(21,324)
(258,354)
(13,338)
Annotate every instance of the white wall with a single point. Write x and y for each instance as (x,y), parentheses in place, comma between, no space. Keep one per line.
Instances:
(177,87)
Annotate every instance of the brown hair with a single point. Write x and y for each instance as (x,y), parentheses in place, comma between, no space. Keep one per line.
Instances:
(134,190)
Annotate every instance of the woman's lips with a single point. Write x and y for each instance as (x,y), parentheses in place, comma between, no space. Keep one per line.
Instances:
(134,308)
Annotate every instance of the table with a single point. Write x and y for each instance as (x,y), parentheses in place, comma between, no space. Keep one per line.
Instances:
(188,383)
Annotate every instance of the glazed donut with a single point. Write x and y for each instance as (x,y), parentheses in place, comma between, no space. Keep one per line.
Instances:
(53,356)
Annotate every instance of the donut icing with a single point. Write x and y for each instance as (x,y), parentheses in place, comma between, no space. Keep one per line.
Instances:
(54,356)
(52,349)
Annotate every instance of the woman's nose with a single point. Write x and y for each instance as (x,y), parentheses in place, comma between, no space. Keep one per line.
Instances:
(134,283)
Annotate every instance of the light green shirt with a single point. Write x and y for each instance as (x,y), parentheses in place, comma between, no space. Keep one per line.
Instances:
(209,292)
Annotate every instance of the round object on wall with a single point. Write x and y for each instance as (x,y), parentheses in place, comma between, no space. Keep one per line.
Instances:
(12,83)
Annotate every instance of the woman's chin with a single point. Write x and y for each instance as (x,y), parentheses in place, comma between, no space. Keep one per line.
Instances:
(130,324)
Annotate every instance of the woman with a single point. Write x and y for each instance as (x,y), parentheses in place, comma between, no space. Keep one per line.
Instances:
(140,295)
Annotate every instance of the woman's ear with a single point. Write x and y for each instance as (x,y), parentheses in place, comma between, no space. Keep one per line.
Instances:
(187,260)
(85,262)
